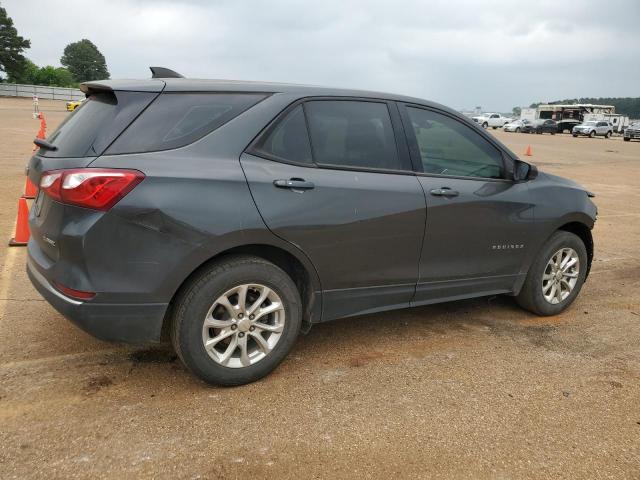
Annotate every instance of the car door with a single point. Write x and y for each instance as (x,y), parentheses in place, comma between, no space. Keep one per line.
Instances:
(478,220)
(329,176)
(602,128)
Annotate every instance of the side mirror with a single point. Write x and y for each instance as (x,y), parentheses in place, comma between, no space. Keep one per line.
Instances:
(524,171)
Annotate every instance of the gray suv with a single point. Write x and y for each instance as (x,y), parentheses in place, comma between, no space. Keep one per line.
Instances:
(593,128)
(231,216)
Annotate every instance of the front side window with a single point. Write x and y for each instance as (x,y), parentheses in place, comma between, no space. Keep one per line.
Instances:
(174,120)
(448,147)
(350,133)
(289,140)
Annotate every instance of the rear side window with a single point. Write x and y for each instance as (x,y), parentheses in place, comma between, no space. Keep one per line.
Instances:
(289,140)
(177,119)
(352,134)
(96,123)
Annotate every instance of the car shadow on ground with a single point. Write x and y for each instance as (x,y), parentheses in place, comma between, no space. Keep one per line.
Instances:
(389,336)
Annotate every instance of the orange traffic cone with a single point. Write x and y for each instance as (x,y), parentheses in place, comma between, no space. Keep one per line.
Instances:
(42,133)
(528,153)
(22,225)
(30,190)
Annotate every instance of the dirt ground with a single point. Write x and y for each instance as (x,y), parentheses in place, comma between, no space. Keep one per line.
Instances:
(473,389)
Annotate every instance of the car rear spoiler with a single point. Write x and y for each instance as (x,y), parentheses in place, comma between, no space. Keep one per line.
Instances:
(150,85)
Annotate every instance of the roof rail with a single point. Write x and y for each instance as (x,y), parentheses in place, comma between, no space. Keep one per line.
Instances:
(161,72)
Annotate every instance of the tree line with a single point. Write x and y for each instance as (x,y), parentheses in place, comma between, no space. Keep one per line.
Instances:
(629,106)
(81,61)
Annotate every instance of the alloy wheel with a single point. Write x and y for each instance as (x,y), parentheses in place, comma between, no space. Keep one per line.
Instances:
(243,325)
(560,275)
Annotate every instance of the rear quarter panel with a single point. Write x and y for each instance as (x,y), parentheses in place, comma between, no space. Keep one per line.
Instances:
(193,204)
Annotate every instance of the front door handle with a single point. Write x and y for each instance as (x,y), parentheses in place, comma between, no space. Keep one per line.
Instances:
(444,192)
(294,184)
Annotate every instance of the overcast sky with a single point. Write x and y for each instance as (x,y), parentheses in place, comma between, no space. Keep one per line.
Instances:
(496,54)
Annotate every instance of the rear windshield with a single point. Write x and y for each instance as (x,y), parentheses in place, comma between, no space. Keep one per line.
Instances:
(177,119)
(96,123)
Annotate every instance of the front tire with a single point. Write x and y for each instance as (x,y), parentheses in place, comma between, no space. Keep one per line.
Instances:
(556,275)
(517,129)
(592,134)
(485,125)
(236,320)
(607,135)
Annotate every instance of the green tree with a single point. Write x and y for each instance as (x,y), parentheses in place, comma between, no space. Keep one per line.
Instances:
(26,73)
(31,74)
(54,77)
(516,111)
(84,61)
(11,46)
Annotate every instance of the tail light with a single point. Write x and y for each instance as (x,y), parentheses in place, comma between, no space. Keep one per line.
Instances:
(70,292)
(94,188)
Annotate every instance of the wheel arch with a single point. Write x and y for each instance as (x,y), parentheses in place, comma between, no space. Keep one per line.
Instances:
(582,231)
(579,224)
(300,270)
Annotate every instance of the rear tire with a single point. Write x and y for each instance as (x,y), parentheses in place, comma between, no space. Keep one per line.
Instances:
(627,139)
(542,271)
(200,301)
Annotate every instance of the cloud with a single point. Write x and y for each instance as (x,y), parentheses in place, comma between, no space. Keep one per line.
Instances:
(462,53)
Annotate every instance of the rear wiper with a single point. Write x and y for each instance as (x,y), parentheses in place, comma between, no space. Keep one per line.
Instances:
(44,144)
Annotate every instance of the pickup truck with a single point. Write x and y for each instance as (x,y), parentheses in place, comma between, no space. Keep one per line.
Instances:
(494,120)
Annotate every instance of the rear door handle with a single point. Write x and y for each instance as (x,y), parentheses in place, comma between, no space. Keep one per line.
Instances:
(294,184)
(444,192)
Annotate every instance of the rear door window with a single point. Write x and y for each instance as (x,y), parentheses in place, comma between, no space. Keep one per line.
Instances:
(96,123)
(288,140)
(174,120)
(350,133)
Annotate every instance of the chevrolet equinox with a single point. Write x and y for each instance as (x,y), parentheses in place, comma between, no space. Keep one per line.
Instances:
(231,216)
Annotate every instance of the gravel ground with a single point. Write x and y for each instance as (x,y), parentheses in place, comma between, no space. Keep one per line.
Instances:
(473,389)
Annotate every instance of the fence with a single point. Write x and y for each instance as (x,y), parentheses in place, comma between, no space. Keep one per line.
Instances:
(51,93)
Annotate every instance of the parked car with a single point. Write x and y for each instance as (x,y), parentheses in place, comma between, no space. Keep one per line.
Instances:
(593,128)
(541,126)
(72,105)
(493,120)
(632,132)
(567,125)
(235,215)
(516,125)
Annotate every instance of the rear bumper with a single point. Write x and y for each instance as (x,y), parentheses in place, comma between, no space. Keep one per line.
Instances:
(128,323)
